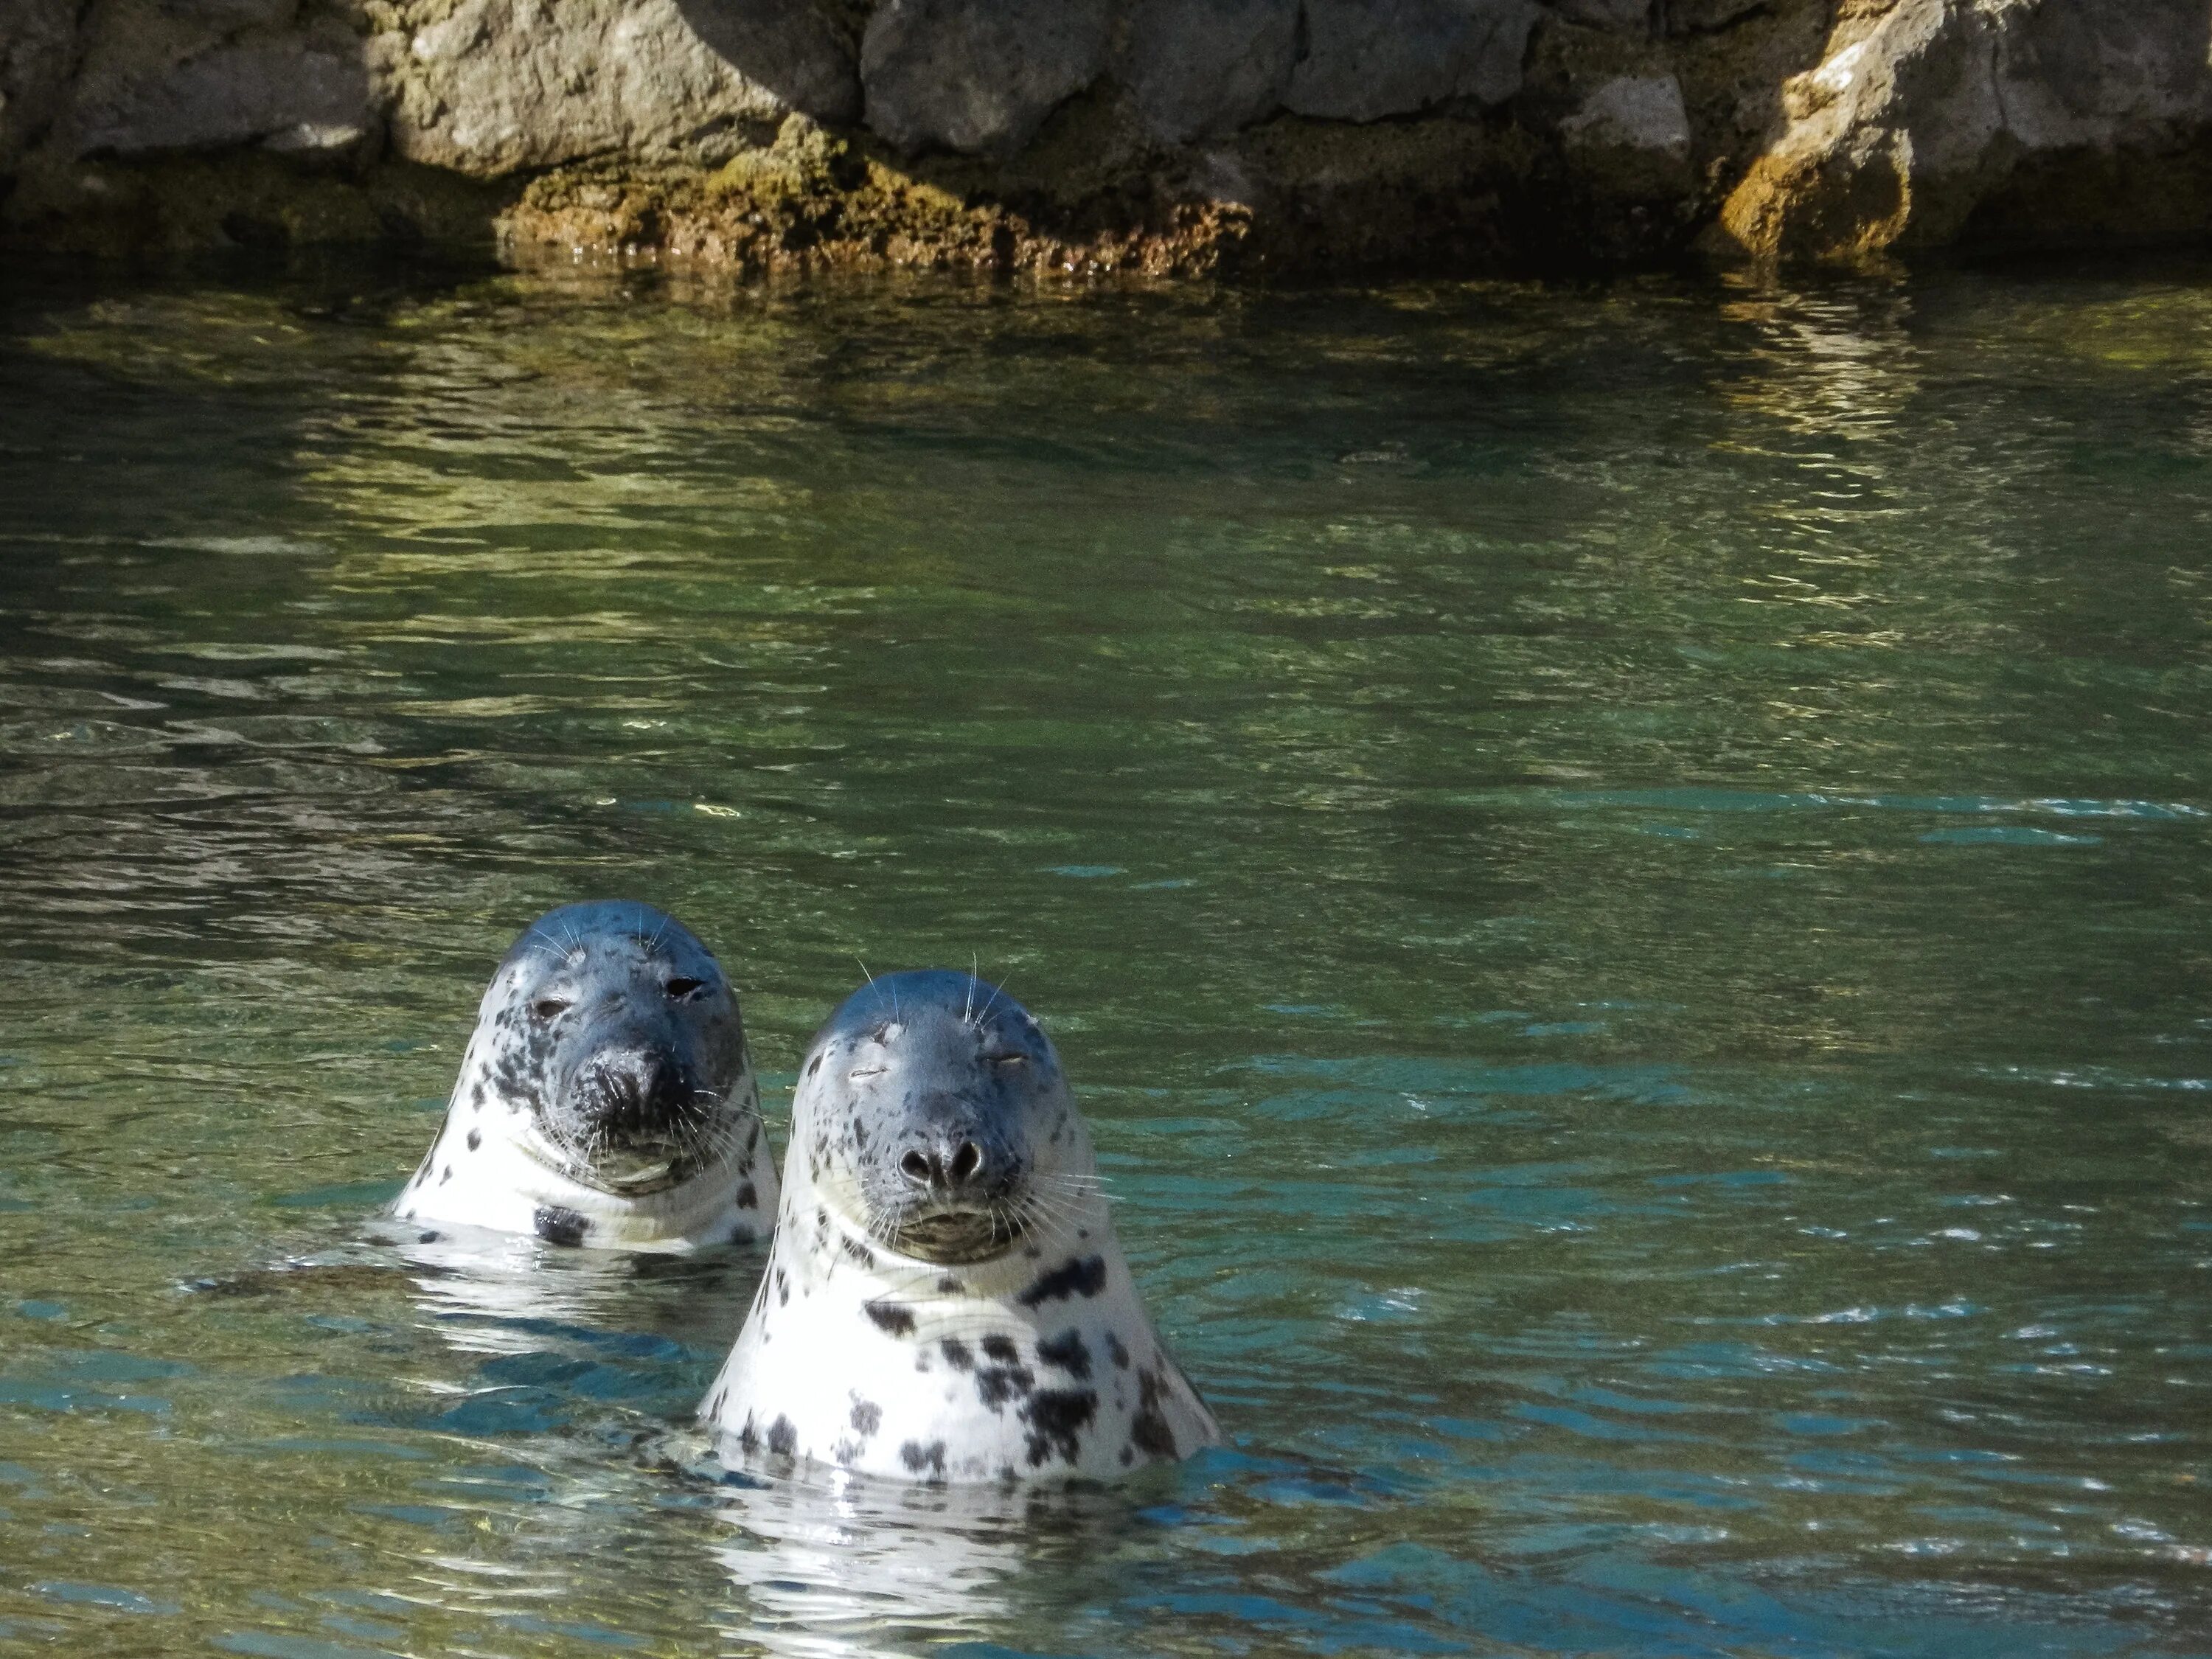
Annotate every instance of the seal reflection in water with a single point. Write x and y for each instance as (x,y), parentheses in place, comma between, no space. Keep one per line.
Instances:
(945,1300)
(842,1569)
(606,1097)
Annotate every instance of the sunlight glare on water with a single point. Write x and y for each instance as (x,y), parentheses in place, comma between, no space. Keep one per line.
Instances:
(1622,873)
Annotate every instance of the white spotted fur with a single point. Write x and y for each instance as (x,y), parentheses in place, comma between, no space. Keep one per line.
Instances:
(512,1173)
(825,1371)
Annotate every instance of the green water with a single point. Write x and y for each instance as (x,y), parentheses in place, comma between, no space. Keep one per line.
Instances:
(1624,875)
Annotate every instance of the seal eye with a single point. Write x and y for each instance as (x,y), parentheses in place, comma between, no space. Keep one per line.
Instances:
(680,988)
(549,1007)
(865,1071)
(1007,1061)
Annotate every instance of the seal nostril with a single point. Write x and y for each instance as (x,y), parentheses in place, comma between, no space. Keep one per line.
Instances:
(916,1168)
(966,1162)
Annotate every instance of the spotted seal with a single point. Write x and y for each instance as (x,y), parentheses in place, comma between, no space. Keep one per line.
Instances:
(606,1097)
(945,1300)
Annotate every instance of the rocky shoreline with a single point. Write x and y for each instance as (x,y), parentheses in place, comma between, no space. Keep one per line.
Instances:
(1167,137)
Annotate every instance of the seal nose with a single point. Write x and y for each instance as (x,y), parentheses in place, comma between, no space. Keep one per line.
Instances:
(940,1167)
(636,1091)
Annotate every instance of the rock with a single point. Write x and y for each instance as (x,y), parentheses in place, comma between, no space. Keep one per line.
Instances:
(1635,113)
(1917,118)
(37,47)
(1285,131)
(978,76)
(228,16)
(289,92)
(1367,59)
(502,85)
(1705,16)
(1628,17)
(1199,69)
(804,52)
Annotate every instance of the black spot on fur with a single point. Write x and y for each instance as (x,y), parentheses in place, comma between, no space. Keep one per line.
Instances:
(715,1406)
(746,1437)
(558,1227)
(1116,1353)
(1068,1351)
(891,1317)
(813,1066)
(1001,1348)
(957,1354)
(475,1138)
(1072,1278)
(747,1197)
(447,1176)
(918,1458)
(430,1237)
(949,1286)
(1149,1429)
(1057,1417)
(782,1288)
(859,1252)
(996,1385)
(783,1438)
(867,1417)
(475,1098)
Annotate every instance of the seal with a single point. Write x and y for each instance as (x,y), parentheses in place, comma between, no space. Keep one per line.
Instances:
(607,1096)
(945,1300)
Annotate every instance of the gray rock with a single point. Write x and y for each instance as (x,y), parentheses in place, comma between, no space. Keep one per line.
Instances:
(1705,16)
(498,86)
(1633,112)
(977,75)
(38,44)
(804,52)
(1625,16)
(1199,69)
(228,16)
(1367,59)
(289,91)
(1916,118)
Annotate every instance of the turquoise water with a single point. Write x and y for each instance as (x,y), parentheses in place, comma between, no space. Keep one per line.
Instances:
(1623,874)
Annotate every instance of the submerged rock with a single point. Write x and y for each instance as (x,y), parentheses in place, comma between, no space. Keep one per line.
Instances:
(1160,135)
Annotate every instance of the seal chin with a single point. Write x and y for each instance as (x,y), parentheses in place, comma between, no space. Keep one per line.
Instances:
(955,1236)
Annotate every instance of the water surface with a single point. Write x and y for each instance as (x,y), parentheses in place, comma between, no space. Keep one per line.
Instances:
(1623,873)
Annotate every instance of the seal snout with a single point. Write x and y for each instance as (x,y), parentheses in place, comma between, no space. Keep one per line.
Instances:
(630,1094)
(945,1163)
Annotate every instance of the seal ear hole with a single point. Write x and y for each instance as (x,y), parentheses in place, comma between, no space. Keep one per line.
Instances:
(680,988)
(550,1007)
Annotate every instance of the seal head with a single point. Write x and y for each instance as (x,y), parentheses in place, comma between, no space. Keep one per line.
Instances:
(953,1125)
(945,1300)
(606,1097)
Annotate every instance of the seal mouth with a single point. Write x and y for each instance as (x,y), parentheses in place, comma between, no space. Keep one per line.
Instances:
(957,1237)
(635,1171)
